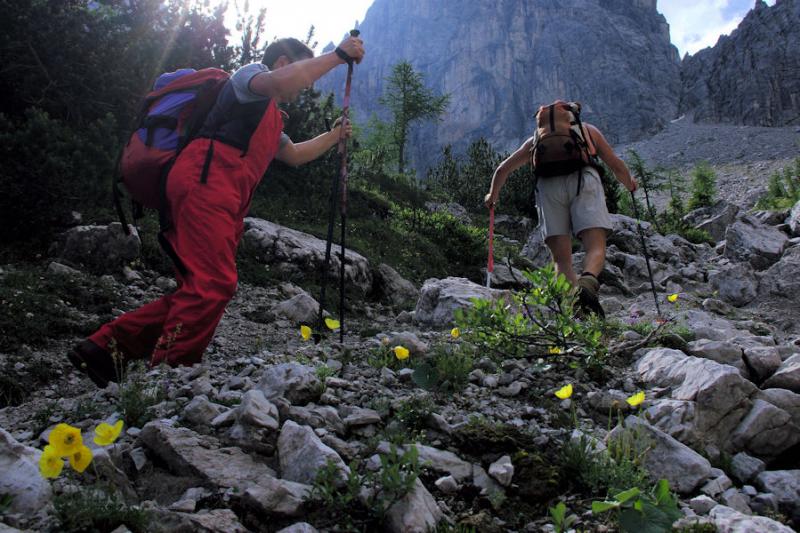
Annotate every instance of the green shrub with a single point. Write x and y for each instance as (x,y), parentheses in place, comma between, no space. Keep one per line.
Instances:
(137,396)
(783,190)
(446,370)
(49,169)
(413,413)
(637,510)
(90,509)
(540,322)
(703,187)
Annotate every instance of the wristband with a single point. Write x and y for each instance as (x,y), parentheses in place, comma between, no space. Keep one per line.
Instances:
(343,55)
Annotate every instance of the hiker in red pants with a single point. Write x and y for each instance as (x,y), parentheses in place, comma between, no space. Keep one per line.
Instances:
(208,193)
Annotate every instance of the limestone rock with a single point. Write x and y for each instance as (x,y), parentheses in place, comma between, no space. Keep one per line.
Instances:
(536,250)
(100,248)
(794,220)
(745,468)
(721,395)
(189,453)
(717,220)
(749,240)
(684,468)
(736,284)
(416,512)
(300,527)
(299,254)
(787,400)
(297,383)
(300,309)
(201,412)
(20,478)
(302,454)
(728,520)
(390,287)
(277,497)
(782,280)
(440,298)
(767,431)
(787,376)
(785,485)
(762,361)
(502,470)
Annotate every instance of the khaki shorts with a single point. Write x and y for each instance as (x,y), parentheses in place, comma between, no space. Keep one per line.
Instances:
(562,212)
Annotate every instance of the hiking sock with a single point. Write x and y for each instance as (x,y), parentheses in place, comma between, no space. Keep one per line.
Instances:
(588,294)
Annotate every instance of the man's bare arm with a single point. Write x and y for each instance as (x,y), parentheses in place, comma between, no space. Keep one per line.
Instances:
(608,156)
(509,165)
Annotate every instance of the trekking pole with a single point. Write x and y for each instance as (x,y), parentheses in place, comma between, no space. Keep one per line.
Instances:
(340,182)
(490,261)
(646,255)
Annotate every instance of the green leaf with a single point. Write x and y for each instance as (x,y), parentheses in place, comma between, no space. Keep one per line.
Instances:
(425,376)
(624,496)
(602,507)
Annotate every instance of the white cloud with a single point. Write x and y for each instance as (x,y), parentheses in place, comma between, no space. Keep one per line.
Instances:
(696,25)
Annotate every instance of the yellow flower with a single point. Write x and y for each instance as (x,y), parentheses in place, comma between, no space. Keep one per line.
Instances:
(455,333)
(105,434)
(672,298)
(80,459)
(564,392)
(555,350)
(401,353)
(636,399)
(65,439)
(305,332)
(50,463)
(332,324)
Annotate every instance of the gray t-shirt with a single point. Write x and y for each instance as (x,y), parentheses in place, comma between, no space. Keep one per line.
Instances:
(240,80)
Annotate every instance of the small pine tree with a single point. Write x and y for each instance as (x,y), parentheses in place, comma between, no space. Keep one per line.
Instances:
(676,183)
(648,181)
(704,185)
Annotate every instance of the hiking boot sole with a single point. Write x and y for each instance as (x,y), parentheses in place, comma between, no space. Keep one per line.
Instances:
(83,363)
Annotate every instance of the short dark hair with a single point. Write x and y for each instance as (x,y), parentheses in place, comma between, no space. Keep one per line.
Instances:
(290,47)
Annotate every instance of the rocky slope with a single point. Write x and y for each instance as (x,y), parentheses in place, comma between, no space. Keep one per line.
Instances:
(501,60)
(235,443)
(751,76)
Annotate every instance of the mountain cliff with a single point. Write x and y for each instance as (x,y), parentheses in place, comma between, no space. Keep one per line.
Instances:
(751,77)
(501,60)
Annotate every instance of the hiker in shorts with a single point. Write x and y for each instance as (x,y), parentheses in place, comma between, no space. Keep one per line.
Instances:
(208,192)
(569,192)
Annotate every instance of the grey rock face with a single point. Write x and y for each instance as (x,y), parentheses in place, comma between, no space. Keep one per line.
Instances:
(302,454)
(749,240)
(439,298)
(787,376)
(782,280)
(417,512)
(719,351)
(100,248)
(299,254)
(297,383)
(504,83)
(391,287)
(729,520)
(714,89)
(536,250)
(504,277)
(669,459)
(438,460)
(787,400)
(736,284)
(300,527)
(201,412)
(762,361)
(20,478)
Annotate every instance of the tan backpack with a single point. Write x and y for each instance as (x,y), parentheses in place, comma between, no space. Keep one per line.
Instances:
(562,145)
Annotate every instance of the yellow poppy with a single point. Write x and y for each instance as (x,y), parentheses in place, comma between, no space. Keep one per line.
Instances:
(555,350)
(636,399)
(105,434)
(332,324)
(80,459)
(50,463)
(65,439)
(455,333)
(305,332)
(672,298)
(401,353)
(564,392)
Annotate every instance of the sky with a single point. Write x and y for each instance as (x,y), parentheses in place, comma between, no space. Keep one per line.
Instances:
(694,24)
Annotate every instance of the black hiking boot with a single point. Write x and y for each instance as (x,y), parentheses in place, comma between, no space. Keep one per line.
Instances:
(588,299)
(93,361)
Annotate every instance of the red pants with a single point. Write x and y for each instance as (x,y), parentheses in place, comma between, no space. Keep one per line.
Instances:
(207,223)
